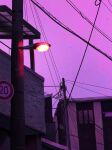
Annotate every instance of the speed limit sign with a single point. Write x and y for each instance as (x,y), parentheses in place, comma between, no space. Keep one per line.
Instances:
(6,90)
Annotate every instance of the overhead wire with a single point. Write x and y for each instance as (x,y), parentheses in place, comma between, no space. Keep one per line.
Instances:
(110,3)
(88,20)
(95,86)
(49,52)
(83,58)
(44,53)
(50,55)
(88,84)
(57,21)
(6,46)
(109,10)
(54,104)
(68,29)
(92,90)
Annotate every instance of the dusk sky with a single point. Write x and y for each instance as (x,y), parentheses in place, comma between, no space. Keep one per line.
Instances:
(68,50)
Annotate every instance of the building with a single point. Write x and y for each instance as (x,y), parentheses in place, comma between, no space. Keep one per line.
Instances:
(34,106)
(90,123)
(40,128)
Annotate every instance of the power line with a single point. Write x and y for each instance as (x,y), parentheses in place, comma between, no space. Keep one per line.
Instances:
(35,22)
(93,85)
(110,3)
(55,102)
(80,66)
(49,52)
(87,19)
(69,30)
(91,90)
(44,53)
(5,45)
(107,7)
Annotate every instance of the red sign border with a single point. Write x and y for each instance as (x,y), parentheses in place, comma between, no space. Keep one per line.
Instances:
(11,89)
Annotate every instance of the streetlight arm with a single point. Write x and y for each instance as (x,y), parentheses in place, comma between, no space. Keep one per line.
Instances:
(41,46)
(26,47)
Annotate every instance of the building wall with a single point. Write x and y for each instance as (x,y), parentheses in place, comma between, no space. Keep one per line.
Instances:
(107,124)
(86,128)
(90,124)
(50,125)
(98,126)
(34,95)
(72,118)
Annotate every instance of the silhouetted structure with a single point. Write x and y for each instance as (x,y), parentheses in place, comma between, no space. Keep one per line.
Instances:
(90,121)
(50,124)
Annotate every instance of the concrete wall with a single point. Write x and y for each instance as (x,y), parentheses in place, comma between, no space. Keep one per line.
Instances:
(34,95)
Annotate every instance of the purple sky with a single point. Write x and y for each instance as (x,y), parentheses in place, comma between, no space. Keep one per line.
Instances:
(68,49)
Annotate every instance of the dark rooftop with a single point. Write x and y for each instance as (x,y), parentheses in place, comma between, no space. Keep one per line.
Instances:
(91,99)
(29,32)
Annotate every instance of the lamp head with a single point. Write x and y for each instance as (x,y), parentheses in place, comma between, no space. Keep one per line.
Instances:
(42,46)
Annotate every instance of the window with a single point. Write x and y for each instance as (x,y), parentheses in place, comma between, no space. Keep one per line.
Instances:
(80,117)
(86,119)
(91,117)
(85,116)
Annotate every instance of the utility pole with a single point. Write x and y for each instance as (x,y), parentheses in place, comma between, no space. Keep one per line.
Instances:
(17,78)
(66,115)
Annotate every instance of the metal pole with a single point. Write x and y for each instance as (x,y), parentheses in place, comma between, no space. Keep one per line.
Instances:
(66,115)
(17,78)
(32,59)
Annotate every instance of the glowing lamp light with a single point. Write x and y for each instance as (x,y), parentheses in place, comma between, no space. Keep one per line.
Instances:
(42,46)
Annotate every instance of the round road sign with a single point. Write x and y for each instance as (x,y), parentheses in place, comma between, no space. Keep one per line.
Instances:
(6,90)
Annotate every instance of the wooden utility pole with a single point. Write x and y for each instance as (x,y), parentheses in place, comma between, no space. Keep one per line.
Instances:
(17,78)
(66,115)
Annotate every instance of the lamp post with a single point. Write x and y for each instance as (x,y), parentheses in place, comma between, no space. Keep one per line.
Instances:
(17,127)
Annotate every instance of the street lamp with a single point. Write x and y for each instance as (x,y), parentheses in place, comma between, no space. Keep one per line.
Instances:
(40,46)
